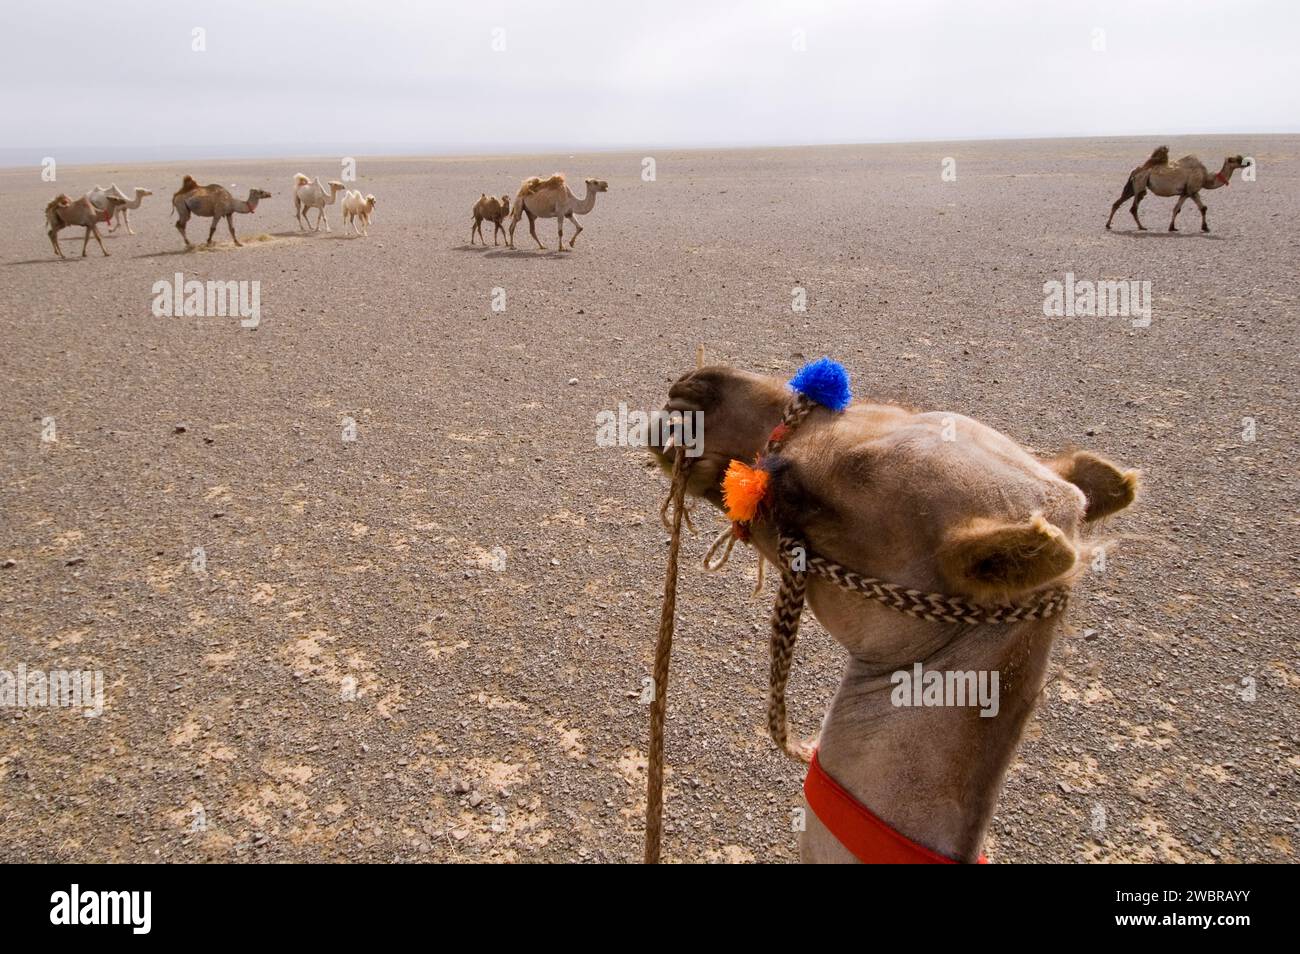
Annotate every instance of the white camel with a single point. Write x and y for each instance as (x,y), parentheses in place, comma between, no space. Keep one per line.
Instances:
(357,207)
(308,195)
(99,197)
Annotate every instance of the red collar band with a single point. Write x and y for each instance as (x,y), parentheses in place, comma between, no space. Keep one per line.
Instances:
(856,828)
(1223,180)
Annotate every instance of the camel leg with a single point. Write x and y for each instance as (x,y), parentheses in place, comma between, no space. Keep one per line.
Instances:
(54,240)
(324,219)
(94,230)
(1177,208)
(1128,192)
(1196,197)
(230,224)
(532,229)
(496,227)
(559,220)
(297,214)
(85,240)
(574,221)
(1133,210)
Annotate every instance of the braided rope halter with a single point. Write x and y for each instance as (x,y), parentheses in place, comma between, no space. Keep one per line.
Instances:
(827,385)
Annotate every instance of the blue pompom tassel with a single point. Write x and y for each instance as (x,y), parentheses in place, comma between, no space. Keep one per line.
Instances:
(826,382)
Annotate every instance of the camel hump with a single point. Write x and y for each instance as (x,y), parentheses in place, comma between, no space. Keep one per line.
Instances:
(537,183)
(301,179)
(58,202)
(1159,157)
(188,184)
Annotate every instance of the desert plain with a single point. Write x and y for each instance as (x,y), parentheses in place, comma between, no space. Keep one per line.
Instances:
(363,585)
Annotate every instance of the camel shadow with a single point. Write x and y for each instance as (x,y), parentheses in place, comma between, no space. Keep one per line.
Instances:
(53,259)
(171,251)
(476,248)
(527,253)
(1166,234)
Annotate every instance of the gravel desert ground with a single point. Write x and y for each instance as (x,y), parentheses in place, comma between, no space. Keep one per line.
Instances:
(428,642)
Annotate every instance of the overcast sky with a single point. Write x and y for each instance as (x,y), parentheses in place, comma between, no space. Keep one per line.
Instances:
(384,74)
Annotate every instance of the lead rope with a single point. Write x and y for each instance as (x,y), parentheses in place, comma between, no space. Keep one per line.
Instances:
(654,797)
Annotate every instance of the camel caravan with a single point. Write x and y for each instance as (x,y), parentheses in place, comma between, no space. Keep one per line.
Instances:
(926,544)
(538,198)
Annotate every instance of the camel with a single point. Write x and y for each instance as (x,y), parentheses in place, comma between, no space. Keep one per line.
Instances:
(308,195)
(64,212)
(540,198)
(99,197)
(123,215)
(937,502)
(1184,178)
(214,202)
(357,208)
(493,210)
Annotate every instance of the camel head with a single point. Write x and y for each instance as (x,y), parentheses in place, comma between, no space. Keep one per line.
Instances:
(597,185)
(505,205)
(141,193)
(336,186)
(934,501)
(1236,162)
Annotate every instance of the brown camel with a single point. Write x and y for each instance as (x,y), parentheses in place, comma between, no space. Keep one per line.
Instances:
(214,202)
(1184,178)
(489,208)
(64,212)
(550,198)
(938,503)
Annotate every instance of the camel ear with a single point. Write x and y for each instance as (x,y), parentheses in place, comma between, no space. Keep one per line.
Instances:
(1108,489)
(993,560)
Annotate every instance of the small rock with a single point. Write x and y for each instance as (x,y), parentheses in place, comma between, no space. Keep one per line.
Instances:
(9,564)
(75,561)
(573,380)
(475,799)
(460,786)
(179,429)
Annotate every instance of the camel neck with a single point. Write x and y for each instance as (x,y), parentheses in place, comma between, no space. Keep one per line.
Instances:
(1222,177)
(586,203)
(933,771)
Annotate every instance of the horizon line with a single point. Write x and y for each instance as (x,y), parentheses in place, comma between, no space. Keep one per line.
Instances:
(169,152)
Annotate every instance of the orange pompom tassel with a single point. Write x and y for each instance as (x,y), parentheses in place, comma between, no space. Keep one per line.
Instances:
(743,489)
